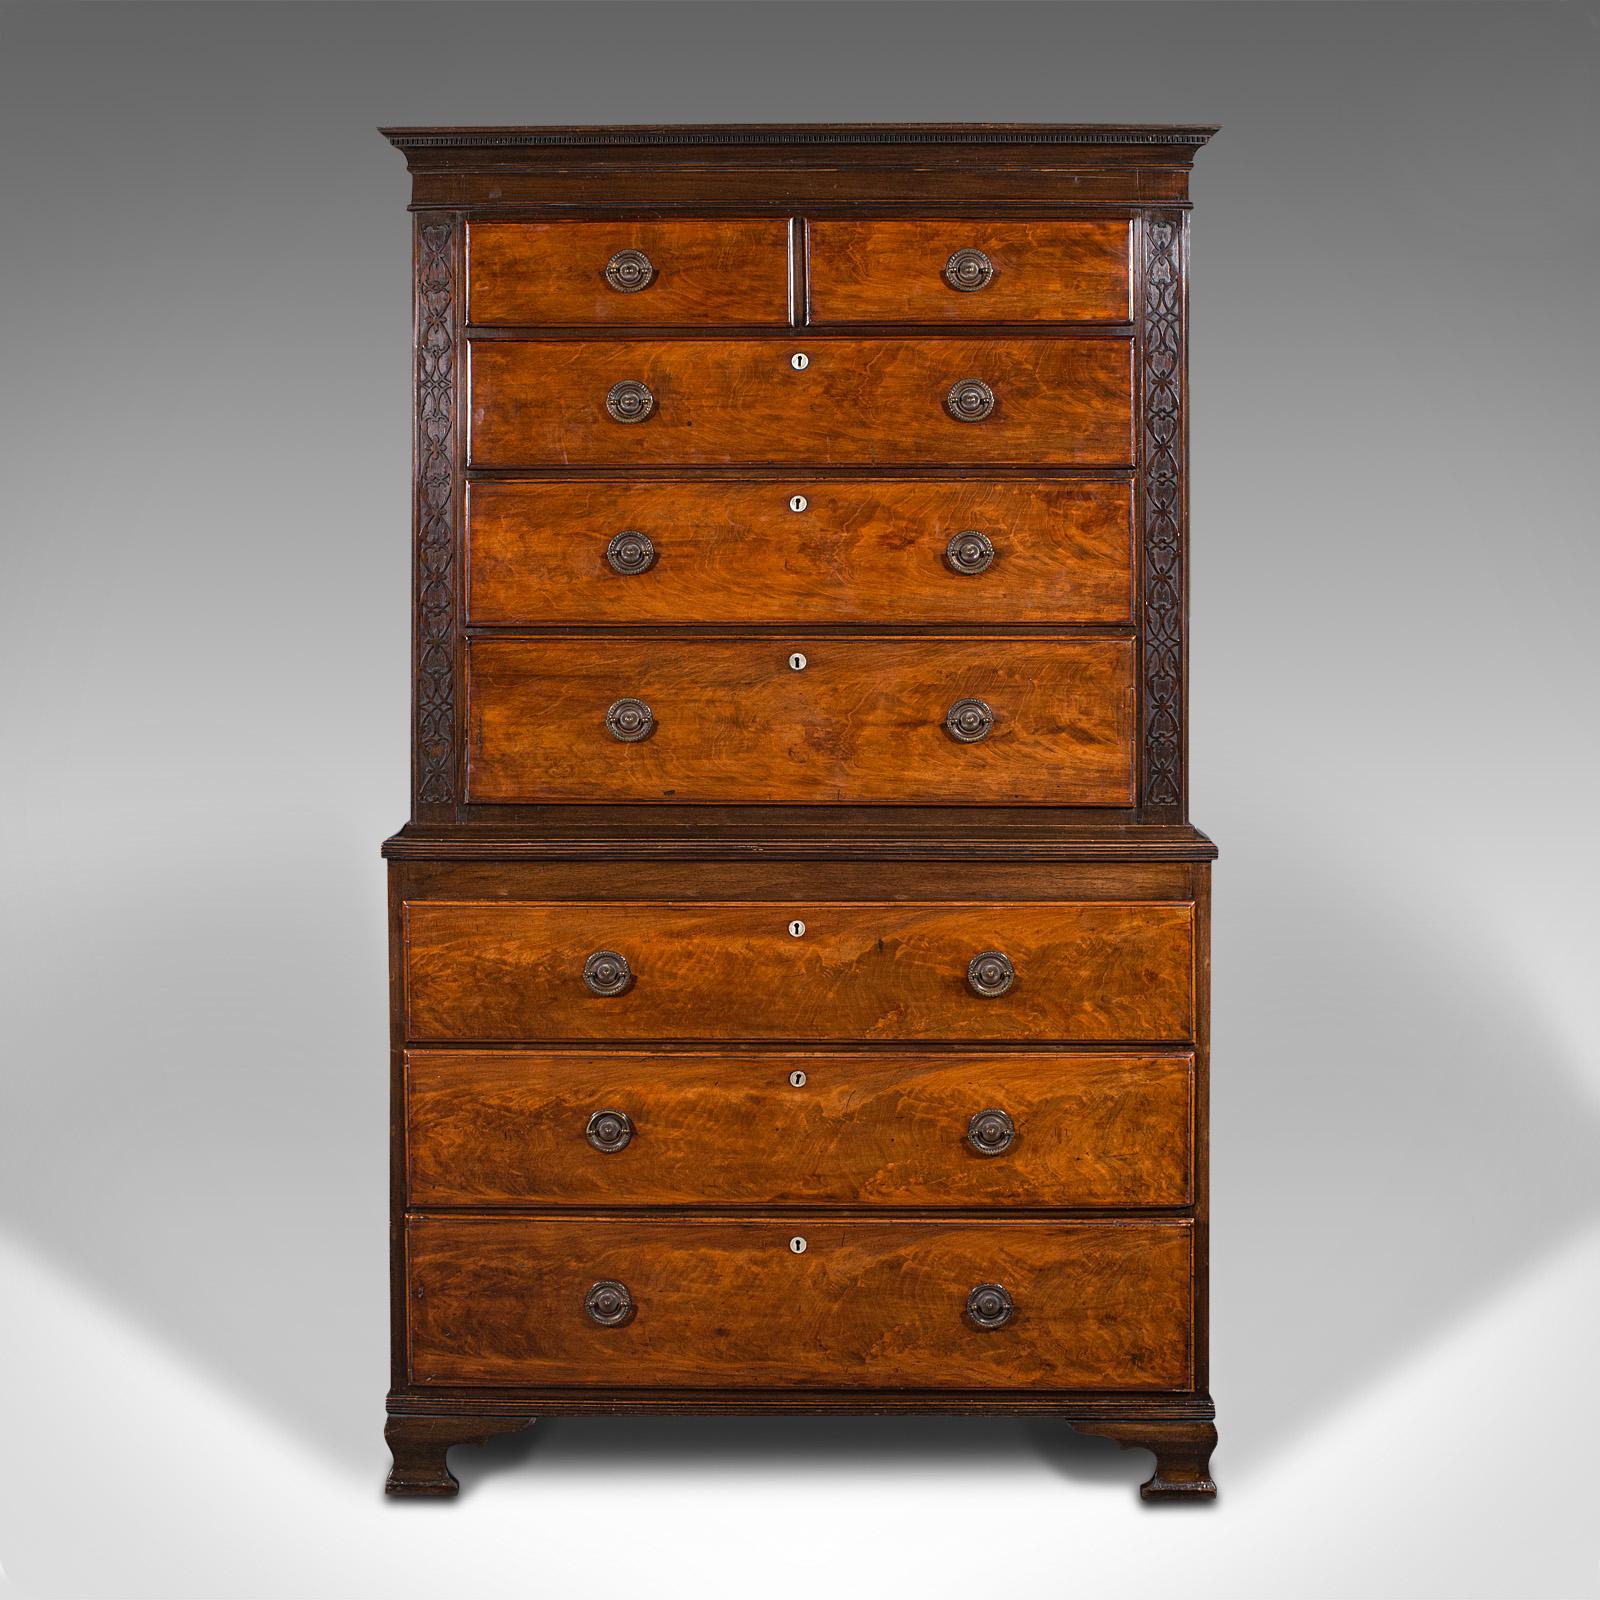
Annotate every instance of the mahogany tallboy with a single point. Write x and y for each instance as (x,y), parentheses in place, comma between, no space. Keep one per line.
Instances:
(800,948)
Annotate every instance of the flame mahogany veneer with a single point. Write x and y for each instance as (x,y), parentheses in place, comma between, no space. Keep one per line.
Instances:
(875,970)
(867,1305)
(863,721)
(1094,1129)
(1059,401)
(799,946)
(869,551)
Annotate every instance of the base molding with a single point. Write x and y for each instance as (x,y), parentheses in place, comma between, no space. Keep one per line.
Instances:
(423,1428)
(1069,1406)
(1182,1451)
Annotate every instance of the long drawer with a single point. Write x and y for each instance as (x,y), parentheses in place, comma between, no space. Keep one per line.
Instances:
(1057,401)
(801,719)
(802,1302)
(1090,971)
(800,550)
(511,1127)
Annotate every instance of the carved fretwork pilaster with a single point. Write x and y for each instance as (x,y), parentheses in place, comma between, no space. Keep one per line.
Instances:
(1162,458)
(434,758)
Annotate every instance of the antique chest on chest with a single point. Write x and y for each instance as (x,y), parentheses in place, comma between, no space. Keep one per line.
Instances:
(799,945)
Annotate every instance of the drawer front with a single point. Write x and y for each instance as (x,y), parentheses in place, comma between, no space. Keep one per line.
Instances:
(957,271)
(1057,402)
(863,720)
(852,552)
(1108,971)
(866,1305)
(628,273)
(496,1128)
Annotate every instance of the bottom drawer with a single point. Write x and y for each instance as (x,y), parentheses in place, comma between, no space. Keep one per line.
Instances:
(736,1304)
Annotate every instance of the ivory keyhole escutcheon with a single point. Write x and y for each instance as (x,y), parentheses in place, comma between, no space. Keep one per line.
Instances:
(797,662)
(797,929)
(797,1245)
(797,1079)
(799,361)
(798,502)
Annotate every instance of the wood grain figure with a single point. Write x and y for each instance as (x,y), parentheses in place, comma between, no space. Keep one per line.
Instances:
(800,549)
(693,273)
(501,1301)
(888,270)
(804,1127)
(801,718)
(1063,401)
(1112,971)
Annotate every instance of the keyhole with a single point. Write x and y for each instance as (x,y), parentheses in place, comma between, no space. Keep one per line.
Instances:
(798,503)
(798,1245)
(797,1079)
(797,662)
(797,929)
(799,361)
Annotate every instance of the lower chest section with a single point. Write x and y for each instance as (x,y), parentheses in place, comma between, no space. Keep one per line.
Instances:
(825,1127)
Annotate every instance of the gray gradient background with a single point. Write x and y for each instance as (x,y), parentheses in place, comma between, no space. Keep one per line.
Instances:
(205,323)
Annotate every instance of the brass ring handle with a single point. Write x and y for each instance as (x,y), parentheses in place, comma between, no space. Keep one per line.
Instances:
(969,552)
(630,552)
(990,974)
(609,1303)
(607,973)
(609,1131)
(971,400)
(629,720)
(968,721)
(629,401)
(629,271)
(989,1306)
(968,270)
(991,1132)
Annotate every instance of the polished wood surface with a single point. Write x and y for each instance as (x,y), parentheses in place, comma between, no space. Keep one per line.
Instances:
(1062,401)
(474,864)
(872,852)
(710,270)
(508,1127)
(870,551)
(829,796)
(505,970)
(892,270)
(869,1304)
(862,721)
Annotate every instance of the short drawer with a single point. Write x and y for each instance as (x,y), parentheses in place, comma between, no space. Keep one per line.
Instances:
(963,271)
(801,550)
(801,719)
(1058,401)
(622,274)
(509,1127)
(1090,971)
(800,1301)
